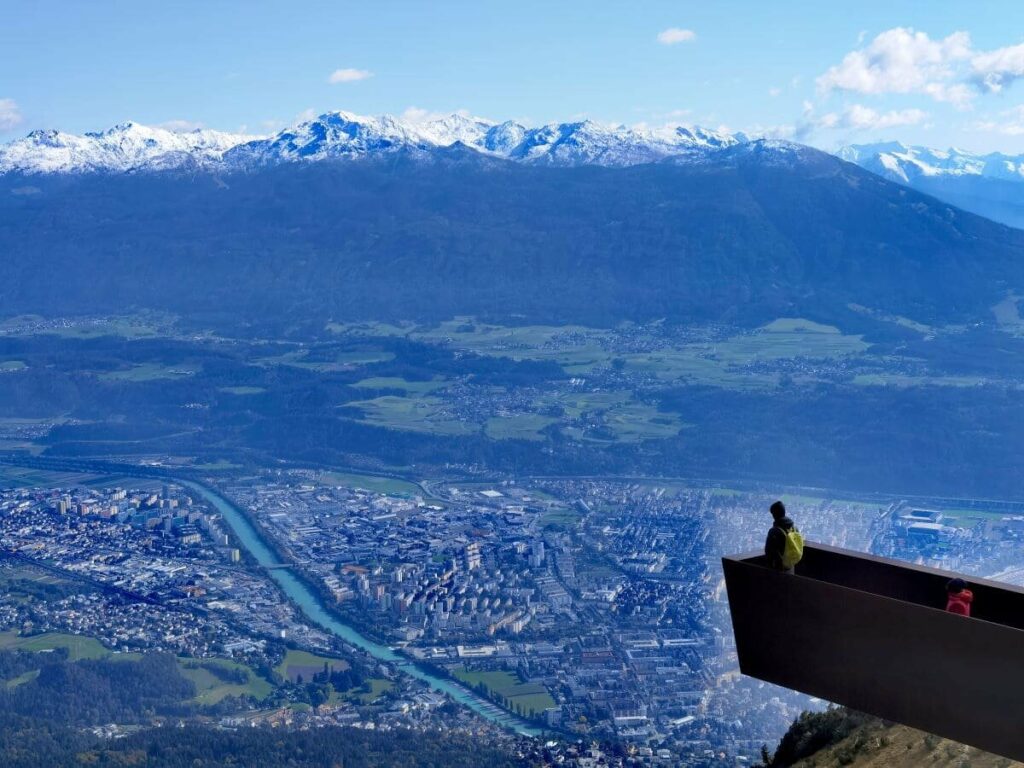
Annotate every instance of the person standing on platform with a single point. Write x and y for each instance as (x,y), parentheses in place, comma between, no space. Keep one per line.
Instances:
(784,546)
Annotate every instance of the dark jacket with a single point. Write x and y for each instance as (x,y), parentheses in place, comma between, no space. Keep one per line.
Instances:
(960,602)
(775,544)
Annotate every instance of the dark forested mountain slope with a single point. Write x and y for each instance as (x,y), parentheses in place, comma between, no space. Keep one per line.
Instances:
(764,230)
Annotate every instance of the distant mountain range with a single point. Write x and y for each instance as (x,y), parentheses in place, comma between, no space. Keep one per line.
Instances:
(342,135)
(990,185)
(725,230)
(122,148)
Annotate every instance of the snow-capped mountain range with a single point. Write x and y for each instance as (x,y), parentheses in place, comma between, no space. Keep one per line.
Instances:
(122,148)
(989,185)
(984,184)
(343,135)
(902,163)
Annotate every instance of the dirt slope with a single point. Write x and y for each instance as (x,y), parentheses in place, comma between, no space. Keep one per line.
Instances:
(879,746)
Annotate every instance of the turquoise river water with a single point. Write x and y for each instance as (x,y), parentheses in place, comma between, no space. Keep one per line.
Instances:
(313,607)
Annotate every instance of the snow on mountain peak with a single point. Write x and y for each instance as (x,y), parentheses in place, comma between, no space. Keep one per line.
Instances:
(132,146)
(905,163)
(124,147)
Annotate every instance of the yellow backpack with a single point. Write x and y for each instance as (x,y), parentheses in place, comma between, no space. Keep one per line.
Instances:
(794,550)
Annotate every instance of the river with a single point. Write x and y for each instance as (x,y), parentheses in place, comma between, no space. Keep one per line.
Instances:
(313,607)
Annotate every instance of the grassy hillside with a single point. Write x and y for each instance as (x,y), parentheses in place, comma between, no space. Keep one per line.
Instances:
(900,747)
(840,738)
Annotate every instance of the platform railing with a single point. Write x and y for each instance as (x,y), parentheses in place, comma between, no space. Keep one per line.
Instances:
(872,634)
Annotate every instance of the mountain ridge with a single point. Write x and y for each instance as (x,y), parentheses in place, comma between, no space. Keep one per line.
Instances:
(990,185)
(759,231)
(340,135)
(902,162)
(124,147)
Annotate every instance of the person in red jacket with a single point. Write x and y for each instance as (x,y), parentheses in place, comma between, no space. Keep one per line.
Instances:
(958,597)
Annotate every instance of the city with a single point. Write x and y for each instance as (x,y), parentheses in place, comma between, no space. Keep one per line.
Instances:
(592,609)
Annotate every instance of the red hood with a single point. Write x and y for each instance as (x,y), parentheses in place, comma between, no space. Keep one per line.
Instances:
(964,596)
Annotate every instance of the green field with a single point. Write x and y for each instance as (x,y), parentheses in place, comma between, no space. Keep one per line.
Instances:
(533,342)
(581,350)
(24,477)
(528,698)
(210,689)
(395,382)
(591,416)
(520,426)
(78,646)
(221,465)
(386,485)
(903,381)
(611,417)
(306,664)
(378,687)
(25,677)
(788,338)
(363,357)
(151,372)
(563,519)
(416,414)
(576,348)
(342,361)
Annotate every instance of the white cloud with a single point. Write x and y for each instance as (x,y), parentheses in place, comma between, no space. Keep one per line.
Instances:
(904,61)
(349,75)
(10,115)
(856,117)
(994,70)
(181,126)
(306,115)
(674,35)
(773,92)
(860,118)
(901,60)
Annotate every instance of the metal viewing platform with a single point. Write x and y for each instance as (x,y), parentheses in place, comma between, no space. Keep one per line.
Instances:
(873,634)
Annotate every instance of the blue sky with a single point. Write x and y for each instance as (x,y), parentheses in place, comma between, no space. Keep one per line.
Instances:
(936,73)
